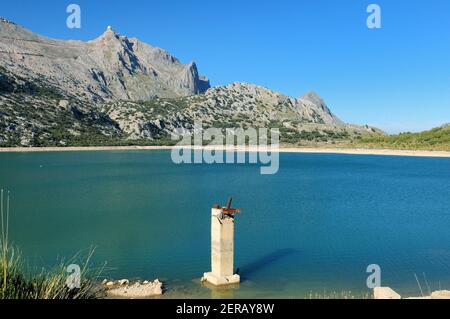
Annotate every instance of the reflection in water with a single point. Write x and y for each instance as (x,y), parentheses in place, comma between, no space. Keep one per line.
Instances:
(225,292)
(248,270)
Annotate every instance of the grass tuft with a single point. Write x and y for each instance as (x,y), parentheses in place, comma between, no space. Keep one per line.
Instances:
(17,282)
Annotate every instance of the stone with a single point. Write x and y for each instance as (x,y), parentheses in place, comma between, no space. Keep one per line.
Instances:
(123,282)
(137,290)
(442,294)
(64,104)
(109,284)
(385,293)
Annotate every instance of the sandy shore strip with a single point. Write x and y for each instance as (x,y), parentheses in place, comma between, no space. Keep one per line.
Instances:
(356,151)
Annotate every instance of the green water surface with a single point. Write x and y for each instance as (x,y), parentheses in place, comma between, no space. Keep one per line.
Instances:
(313,227)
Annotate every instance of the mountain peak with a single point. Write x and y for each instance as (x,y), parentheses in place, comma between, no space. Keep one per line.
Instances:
(110,67)
(313,99)
(110,31)
(4,20)
(311,96)
(109,34)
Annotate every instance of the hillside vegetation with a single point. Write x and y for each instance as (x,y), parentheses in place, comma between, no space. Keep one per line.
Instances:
(437,139)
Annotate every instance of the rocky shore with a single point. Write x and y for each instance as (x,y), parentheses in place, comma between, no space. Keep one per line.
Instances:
(124,289)
(388,293)
(282,149)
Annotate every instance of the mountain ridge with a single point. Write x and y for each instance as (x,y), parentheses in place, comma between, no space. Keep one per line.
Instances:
(118,90)
(106,68)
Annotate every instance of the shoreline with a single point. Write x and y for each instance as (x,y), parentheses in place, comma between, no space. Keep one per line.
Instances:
(306,150)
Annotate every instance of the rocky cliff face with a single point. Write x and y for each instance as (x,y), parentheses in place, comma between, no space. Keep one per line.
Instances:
(116,90)
(111,67)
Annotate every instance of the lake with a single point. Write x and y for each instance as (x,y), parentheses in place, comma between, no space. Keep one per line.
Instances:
(312,228)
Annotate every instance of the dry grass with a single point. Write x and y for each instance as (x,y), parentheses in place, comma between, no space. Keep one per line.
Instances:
(16,282)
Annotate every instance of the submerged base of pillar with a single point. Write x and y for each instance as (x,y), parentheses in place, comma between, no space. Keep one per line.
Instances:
(221,281)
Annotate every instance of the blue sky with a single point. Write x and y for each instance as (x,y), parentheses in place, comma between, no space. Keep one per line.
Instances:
(396,78)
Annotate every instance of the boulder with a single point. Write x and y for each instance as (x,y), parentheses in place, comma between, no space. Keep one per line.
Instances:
(123,282)
(442,294)
(385,293)
(137,290)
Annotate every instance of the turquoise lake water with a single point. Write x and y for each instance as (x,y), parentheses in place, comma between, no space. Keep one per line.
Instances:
(313,227)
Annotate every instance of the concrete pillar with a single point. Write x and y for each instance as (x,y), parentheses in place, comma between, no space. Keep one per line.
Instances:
(222,250)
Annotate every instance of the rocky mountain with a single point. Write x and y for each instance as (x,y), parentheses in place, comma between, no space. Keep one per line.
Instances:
(119,91)
(235,105)
(238,104)
(111,67)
